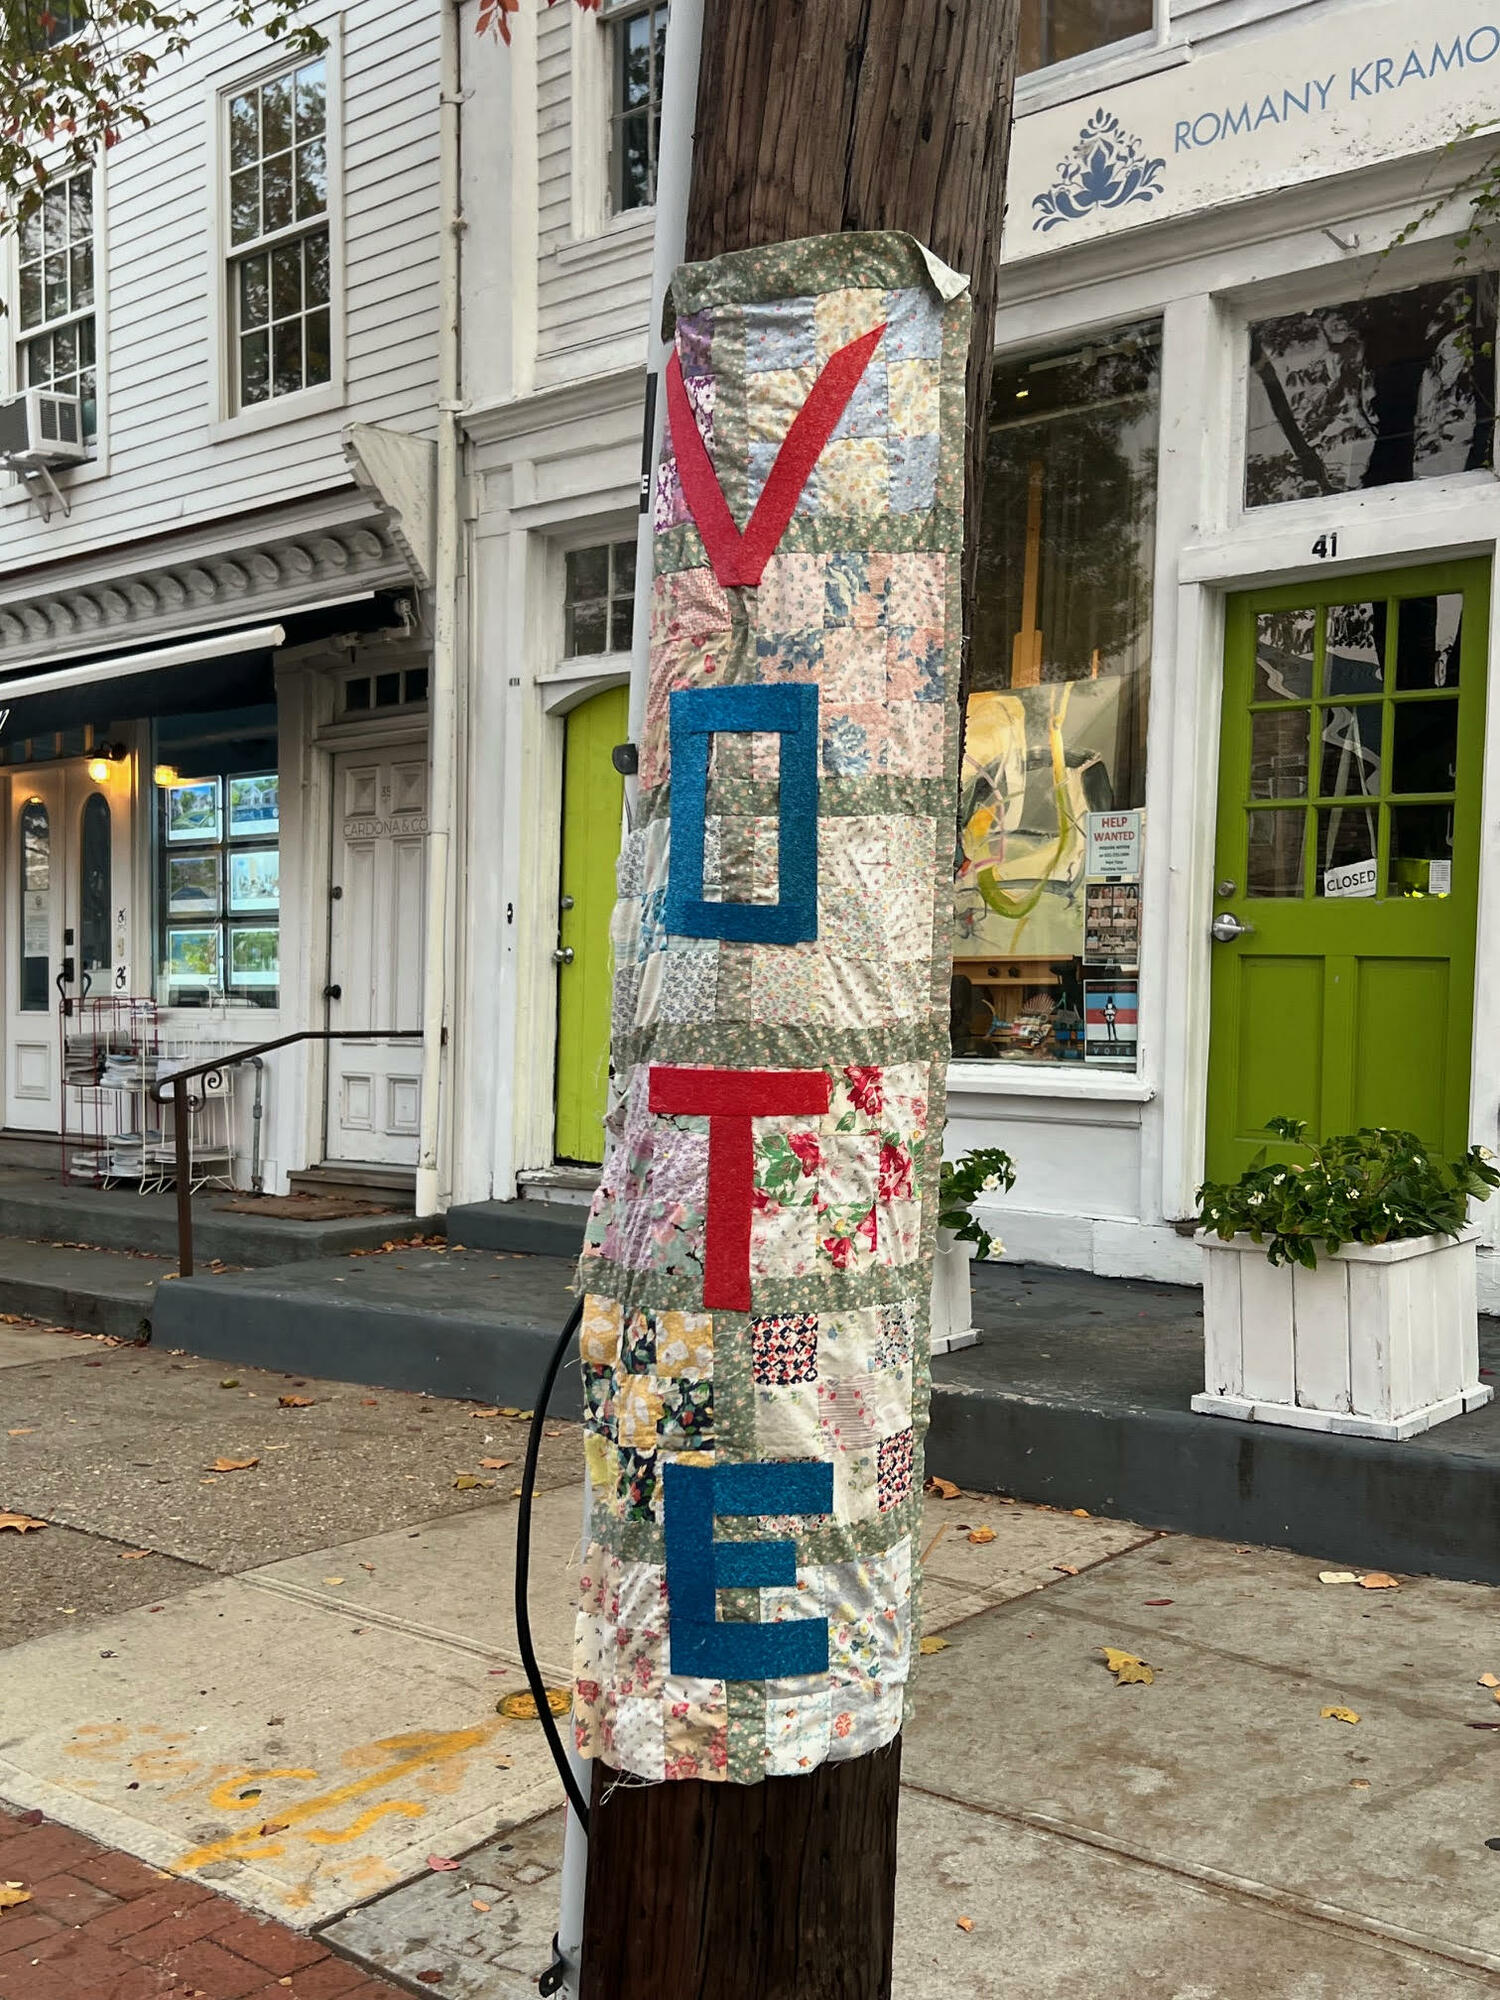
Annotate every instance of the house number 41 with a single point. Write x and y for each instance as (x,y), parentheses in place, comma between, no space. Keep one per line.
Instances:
(1326,545)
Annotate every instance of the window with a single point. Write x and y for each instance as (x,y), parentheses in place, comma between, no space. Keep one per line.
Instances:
(599,598)
(56,317)
(279,280)
(396,689)
(1372,393)
(218,859)
(1048,894)
(1054,30)
(35,891)
(638,40)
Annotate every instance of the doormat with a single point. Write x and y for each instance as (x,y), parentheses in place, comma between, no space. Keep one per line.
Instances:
(307,1207)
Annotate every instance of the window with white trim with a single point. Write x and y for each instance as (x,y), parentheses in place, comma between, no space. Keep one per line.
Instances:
(1054,31)
(56,349)
(278,278)
(638,42)
(598,599)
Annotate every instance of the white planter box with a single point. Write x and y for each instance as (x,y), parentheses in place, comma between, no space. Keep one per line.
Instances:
(1381,1340)
(952,1295)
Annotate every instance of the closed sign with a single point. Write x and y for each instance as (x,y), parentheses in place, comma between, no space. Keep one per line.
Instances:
(1354,878)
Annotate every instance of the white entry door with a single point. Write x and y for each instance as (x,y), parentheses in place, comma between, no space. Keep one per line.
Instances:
(67,864)
(375,958)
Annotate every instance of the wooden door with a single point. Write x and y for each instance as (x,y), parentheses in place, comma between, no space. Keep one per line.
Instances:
(593,803)
(376,954)
(1348,842)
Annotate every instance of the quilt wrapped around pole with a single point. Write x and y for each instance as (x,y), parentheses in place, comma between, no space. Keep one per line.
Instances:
(758,1262)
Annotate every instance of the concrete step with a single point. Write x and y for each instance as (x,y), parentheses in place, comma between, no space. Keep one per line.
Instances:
(33,1151)
(459,1323)
(573,1185)
(92,1291)
(532,1226)
(35,1208)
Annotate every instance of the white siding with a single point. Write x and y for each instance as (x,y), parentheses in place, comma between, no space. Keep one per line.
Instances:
(159,374)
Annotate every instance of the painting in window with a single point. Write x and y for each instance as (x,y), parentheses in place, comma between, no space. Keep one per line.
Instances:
(1048,891)
(1373,392)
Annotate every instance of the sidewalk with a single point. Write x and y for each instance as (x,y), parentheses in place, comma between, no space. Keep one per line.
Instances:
(290,1700)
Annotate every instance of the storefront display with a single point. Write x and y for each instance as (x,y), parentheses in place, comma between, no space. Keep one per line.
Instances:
(1053,774)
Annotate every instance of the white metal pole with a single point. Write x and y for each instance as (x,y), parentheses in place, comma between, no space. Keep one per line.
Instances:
(674,173)
(443,687)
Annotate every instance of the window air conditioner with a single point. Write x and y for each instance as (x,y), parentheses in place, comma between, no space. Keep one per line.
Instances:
(39,428)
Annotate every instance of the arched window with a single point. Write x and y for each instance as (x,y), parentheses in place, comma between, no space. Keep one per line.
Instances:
(35,888)
(94,889)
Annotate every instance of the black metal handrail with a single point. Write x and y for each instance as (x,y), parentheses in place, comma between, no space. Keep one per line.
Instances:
(179,1080)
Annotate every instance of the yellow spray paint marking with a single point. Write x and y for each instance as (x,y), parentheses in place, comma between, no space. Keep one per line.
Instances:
(406,1754)
(406,1808)
(225,1797)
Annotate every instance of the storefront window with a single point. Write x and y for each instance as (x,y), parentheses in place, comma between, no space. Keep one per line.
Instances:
(1372,393)
(219,866)
(1052,31)
(35,888)
(1048,897)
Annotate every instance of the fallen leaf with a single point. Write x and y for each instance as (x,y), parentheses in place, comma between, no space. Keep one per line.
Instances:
(21,1431)
(509,1410)
(515,1491)
(981,1535)
(333,1580)
(966,1924)
(504,1763)
(20,1522)
(133,1555)
(1126,1668)
(1336,1575)
(440,1862)
(486,1412)
(1082,1514)
(274,1825)
(1379,1579)
(1482,1725)
(467,1481)
(431,1978)
(1359,1784)
(933,1643)
(1338,1714)
(230,1382)
(1066,1569)
(1157,1602)
(483,1908)
(33,1817)
(234,1465)
(369,1403)
(295,1402)
(1489,1681)
(943,1488)
(369,1566)
(11,1893)
(496,1464)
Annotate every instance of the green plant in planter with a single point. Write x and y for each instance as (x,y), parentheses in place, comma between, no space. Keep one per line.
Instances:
(989,1170)
(1375,1185)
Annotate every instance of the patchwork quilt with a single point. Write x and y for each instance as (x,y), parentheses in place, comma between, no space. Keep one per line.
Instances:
(758,1261)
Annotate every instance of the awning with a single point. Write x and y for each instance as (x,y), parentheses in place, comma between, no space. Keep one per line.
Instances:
(233,668)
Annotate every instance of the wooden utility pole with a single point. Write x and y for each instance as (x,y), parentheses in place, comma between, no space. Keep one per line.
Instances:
(813,116)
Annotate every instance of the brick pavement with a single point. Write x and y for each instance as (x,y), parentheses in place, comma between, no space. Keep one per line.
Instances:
(102,1926)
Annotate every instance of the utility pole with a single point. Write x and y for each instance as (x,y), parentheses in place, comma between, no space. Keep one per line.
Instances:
(813,116)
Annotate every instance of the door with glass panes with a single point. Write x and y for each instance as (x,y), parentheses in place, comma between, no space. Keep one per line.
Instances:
(65,856)
(1347,859)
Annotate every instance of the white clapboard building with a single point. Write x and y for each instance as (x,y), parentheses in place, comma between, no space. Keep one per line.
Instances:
(1228,771)
(216,627)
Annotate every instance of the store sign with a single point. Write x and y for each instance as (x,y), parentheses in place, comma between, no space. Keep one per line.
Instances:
(369,827)
(1328,94)
(1114,846)
(1354,878)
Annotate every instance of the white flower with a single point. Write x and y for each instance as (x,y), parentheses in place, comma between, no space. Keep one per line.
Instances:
(1485,1153)
(994,1248)
(989,1184)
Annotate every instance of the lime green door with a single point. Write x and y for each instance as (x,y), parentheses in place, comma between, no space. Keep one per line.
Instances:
(593,802)
(1348,844)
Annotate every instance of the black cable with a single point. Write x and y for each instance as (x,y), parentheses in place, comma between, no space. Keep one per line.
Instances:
(523,1571)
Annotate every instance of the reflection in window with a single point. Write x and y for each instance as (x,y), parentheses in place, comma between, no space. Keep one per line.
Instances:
(279,296)
(639,32)
(1054,30)
(35,889)
(1056,719)
(599,599)
(1372,392)
(94,889)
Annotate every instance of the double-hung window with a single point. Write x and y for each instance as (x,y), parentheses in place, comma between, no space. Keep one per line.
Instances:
(638,41)
(56,292)
(281,335)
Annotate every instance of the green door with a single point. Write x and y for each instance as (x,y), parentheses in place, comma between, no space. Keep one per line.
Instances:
(593,802)
(1348,840)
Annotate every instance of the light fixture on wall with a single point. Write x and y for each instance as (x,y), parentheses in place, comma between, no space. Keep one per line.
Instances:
(100,762)
(165,775)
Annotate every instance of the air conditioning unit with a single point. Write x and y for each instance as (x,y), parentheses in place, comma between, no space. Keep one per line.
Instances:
(39,427)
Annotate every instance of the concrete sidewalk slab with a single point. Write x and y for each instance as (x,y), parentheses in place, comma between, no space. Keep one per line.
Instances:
(450,1579)
(55,1579)
(22,1344)
(1224,1764)
(291,1757)
(1058,1919)
(126,1449)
